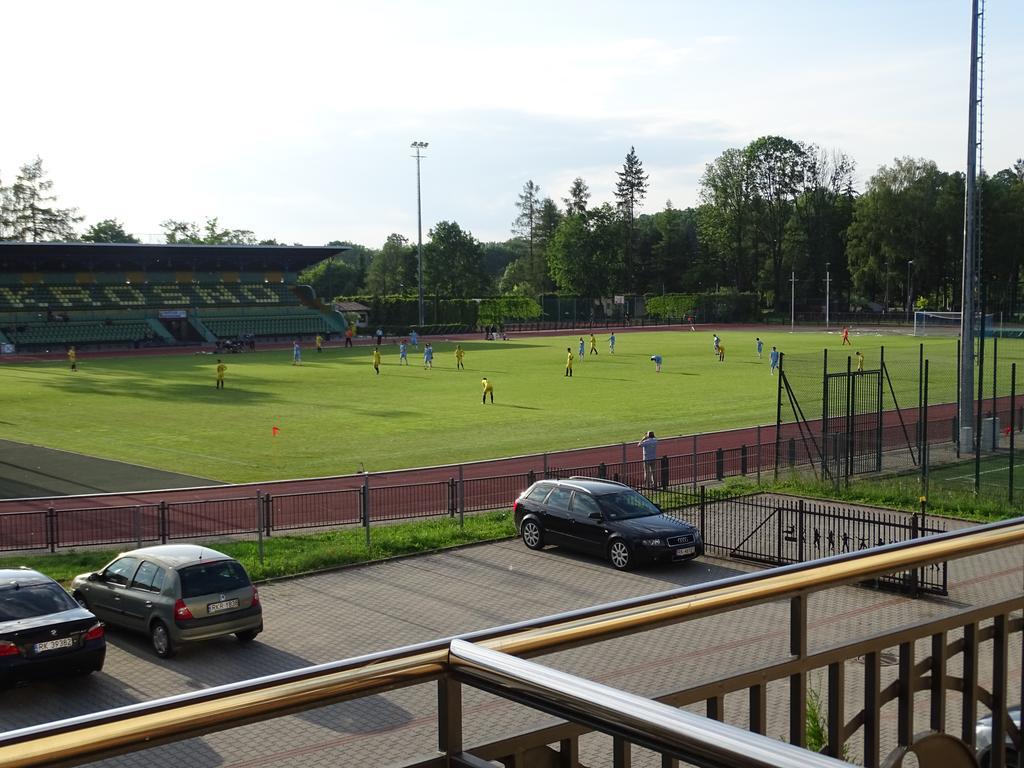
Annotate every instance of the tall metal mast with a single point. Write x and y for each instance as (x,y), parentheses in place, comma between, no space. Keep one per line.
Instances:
(972,259)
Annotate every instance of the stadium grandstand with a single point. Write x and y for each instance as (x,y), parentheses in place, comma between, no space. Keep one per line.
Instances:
(53,295)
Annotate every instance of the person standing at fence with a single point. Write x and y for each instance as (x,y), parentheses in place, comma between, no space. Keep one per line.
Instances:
(568,361)
(846,336)
(459,354)
(376,360)
(760,346)
(414,338)
(860,361)
(488,390)
(773,361)
(220,373)
(649,450)
(403,353)
(611,343)
(348,336)
(656,359)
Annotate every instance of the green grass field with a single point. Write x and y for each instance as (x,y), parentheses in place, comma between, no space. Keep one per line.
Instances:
(994,474)
(334,414)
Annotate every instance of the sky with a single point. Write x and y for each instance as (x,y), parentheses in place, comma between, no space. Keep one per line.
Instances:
(294,119)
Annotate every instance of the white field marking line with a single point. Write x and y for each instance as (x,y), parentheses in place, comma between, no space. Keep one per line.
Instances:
(985,472)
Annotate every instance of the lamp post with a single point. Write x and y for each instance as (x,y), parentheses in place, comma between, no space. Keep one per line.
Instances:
(792,301)
(418,145)
(910,291)
(828,282)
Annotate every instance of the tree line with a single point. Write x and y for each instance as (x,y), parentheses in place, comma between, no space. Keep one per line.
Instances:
(774,208)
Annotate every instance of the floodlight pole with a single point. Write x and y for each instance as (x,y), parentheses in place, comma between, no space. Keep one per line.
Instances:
(418,145)
(971,265)
(910,263)
(792,300)
(828,281)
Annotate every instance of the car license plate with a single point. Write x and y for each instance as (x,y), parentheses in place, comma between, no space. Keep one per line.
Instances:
(53,645)
(224,606)
(685,551)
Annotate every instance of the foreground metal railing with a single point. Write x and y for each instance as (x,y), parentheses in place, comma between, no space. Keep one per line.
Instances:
(671,732)
(140,726)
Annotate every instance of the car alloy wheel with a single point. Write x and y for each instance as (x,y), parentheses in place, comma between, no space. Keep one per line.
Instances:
(532,535)
(618,553)
(161,640)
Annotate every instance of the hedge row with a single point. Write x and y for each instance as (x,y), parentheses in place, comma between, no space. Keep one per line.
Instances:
(403,311)
(723,306)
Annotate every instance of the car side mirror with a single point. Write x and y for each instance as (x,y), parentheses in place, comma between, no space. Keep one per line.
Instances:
(94,577)
(596,516)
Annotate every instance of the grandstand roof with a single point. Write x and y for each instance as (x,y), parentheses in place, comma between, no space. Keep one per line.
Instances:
(17,256)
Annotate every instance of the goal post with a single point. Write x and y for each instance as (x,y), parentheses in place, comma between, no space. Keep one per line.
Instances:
(928,323)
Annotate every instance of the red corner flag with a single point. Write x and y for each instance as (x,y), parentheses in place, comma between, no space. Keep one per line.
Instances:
(275,430)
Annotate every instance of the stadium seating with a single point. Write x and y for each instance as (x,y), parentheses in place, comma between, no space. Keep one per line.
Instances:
(95,332)
(40,297)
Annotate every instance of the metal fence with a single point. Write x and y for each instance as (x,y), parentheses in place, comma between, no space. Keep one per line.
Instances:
(775,529)
(679,478)
(766,528)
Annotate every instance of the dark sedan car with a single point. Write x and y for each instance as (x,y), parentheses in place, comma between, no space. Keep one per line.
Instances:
(43,630)
(603,518)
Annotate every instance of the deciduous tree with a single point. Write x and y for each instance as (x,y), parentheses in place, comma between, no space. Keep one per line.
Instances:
(108,231)
(393,269)
(453,266)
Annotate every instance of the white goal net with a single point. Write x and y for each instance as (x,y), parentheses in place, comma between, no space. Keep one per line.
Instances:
(945,323)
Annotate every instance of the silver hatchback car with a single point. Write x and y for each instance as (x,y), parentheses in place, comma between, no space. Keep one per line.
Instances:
(175,593)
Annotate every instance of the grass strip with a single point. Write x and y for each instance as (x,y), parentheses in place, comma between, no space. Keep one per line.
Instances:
(292,555)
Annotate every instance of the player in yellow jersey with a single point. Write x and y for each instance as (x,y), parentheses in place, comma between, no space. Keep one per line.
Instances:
(488,389)
(459,354)
(319,343)
(73,358)
(593,345)
(376,360)
(220,373)
(568,362)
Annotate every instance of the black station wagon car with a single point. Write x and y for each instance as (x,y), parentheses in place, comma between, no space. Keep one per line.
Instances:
(603,518)
(43,631)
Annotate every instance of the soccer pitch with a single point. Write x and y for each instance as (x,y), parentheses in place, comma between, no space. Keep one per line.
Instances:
(334,415)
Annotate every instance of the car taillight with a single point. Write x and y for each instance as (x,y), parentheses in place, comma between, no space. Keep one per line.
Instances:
(181,611)
(8,648)
(95,632)
(515,506)
(255,596)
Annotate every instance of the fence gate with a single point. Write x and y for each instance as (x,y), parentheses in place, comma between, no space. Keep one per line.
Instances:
(851,428)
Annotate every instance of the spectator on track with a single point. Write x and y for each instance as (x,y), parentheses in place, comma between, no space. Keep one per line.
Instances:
(649,450)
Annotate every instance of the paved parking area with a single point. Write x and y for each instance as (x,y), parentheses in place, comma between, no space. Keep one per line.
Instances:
(369,608)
